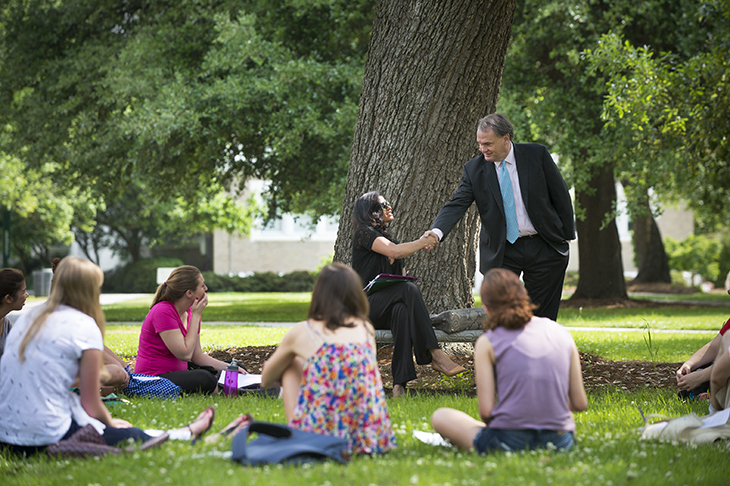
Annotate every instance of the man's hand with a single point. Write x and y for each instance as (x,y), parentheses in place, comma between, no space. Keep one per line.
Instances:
(432,239)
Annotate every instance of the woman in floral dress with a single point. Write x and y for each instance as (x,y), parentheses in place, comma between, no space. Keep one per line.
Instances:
(328,369)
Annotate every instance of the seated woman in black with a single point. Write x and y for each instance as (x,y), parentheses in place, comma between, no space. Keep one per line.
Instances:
(399,307)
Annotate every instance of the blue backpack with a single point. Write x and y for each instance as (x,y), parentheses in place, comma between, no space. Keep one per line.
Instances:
(278,443)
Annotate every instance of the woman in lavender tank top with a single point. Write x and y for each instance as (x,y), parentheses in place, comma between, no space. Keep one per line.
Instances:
(531,364)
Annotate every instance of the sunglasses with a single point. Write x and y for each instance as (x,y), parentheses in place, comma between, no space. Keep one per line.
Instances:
(385,205)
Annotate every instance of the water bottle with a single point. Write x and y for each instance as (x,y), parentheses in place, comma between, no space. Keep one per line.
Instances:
(230,385)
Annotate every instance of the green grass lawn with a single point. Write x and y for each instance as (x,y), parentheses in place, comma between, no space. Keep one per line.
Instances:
(293,307)
(698,318)
(228,307)
(621,346)
(608,451)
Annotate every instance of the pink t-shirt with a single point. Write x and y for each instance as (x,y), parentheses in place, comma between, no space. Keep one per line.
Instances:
(153,357)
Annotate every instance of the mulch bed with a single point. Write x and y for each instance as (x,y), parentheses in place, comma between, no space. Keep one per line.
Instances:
(597,371)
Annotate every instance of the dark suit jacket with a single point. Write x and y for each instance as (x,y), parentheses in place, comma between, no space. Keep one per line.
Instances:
(544,193)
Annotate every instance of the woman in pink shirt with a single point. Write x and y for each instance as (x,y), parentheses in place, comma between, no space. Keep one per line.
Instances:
(531,364)
(170,337)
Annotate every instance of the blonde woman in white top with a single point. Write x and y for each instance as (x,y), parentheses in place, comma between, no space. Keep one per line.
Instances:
(46,351)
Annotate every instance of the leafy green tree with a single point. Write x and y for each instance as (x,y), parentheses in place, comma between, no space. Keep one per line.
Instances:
(676,102)
(139,217)
(188,94)
(556,97)
(41,212)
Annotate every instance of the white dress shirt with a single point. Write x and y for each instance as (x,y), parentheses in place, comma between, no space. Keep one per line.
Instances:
(523,220)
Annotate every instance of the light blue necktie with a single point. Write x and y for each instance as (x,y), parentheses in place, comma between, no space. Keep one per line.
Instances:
(508,198)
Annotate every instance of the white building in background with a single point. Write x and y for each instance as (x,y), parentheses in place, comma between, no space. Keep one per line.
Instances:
(290,244)
(284,245)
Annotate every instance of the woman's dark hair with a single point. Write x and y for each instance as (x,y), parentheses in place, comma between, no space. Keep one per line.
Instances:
(180,281)
(11,281)
(507,300)
(338,296)
(367,211)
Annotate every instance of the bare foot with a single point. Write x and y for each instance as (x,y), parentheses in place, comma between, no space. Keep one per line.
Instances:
(443,364)
(399,391)
(202,424)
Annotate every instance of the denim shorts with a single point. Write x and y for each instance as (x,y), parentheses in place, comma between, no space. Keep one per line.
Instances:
(488,440)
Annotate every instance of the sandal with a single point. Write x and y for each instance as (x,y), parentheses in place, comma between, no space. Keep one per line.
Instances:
(237,425)
(196,438)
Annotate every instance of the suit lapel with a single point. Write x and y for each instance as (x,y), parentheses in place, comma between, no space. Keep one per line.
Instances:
(489,173)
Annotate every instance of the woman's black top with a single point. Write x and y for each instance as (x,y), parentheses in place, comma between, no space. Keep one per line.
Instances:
(368,263)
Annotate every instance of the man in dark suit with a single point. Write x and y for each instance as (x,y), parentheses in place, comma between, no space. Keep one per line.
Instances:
(525,208)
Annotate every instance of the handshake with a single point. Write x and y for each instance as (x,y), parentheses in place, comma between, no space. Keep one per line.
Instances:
(431,239)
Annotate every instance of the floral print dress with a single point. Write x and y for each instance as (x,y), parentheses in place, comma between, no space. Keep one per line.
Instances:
(342,395)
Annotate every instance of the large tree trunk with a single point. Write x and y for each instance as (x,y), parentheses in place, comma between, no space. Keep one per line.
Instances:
(601,272)
(651,259)
(433,70)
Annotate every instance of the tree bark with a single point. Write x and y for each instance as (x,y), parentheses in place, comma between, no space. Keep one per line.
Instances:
(434,69)
(651,258)
(601,272)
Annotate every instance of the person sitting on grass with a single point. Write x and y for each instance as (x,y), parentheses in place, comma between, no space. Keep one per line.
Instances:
(531,364)
(693,377)
(328,368)
(720,377)
(47,350)
(170,336)
(115,376)
(12,298)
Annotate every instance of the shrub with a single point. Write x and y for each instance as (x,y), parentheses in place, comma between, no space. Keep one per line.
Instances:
(695,254)
(139,276)
(298,281)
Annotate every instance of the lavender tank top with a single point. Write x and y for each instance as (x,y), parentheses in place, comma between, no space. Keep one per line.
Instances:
(532,375)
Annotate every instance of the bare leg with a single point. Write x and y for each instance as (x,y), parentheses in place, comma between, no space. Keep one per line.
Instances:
(442,363)
(456,427)
(290,383)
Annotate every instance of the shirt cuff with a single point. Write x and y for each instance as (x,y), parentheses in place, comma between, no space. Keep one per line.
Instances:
(439,233)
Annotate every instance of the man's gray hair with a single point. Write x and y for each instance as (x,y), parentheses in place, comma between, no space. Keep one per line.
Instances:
(498,123)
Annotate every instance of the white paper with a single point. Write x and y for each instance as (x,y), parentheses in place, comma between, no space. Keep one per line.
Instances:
(431,438)
(716,420)
(243,380)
